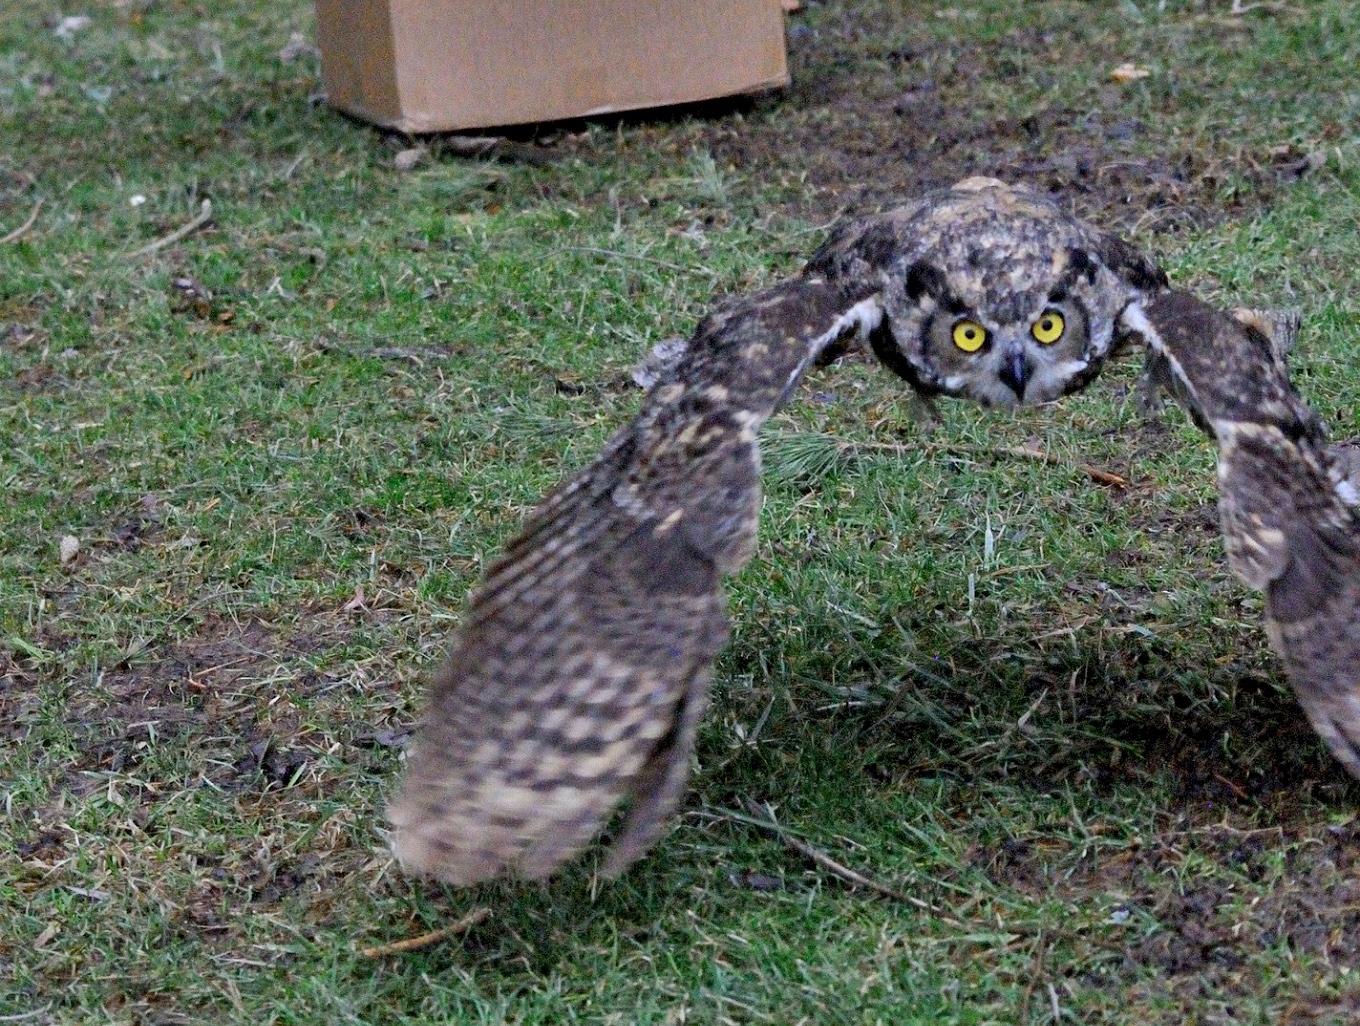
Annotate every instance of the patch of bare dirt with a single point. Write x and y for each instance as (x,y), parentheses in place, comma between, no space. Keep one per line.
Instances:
(880,111)
(1250,892)
(223,684)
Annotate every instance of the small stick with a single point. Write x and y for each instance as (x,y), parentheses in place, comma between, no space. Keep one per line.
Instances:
(22,230)
(819,857)
(1018,451)
(617,255)
(21,1016)
(203,216)
(426,939)
(1094,473)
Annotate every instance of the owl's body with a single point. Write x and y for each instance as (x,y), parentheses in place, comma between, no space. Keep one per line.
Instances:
(584,661)
(1002,259)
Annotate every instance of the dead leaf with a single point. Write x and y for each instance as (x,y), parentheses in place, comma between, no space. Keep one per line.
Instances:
(396,738)
(70,548)
(191,297)
(70,25)
(1292,162)
(471,145)
(1128,72)
(409,160)
(297,47)
(357,602)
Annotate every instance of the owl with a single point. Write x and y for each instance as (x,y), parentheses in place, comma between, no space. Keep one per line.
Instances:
(989,292)
(582,668)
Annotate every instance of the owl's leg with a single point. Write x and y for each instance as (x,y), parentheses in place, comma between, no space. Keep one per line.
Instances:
(1151,389)
(1345,470)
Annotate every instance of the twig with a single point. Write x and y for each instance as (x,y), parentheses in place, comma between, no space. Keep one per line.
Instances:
(1094,473)
(203,216)
(412,355)
(819,857)
(615,254)
(1023,452)
(426,939)
(22,230)
(21,1016)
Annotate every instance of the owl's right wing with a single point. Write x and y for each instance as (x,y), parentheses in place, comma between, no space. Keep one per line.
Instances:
(584,659)
(1288,502)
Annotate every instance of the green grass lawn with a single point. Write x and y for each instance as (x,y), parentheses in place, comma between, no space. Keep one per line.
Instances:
(288,444)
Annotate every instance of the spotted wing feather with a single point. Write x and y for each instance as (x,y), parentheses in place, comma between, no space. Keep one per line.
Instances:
(582,669)
(1287,506)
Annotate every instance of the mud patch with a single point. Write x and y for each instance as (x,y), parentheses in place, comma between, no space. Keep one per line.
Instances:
(1183,919)
(234,684)
(881,110)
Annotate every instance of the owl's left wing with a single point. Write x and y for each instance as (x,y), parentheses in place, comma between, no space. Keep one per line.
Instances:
(582,668)
(1287,502)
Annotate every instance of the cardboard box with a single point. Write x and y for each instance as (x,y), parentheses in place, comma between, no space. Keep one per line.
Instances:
(437,65)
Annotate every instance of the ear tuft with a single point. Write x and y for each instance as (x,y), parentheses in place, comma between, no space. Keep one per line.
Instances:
(1079,262)
(925,279)
(1132,266)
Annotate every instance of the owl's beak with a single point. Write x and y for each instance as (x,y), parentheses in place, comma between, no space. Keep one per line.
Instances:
(1015,372)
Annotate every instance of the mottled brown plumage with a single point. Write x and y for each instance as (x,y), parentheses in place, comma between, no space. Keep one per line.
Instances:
(1001,257)
(1287,500)
(583,665)
(584,660)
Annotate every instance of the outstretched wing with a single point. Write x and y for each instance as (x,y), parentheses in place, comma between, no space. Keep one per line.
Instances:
(1287,501)
(585,657)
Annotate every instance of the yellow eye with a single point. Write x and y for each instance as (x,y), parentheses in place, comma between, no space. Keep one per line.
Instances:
(970,336)
(1048,328)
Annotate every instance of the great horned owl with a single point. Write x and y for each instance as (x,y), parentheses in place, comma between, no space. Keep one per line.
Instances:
(584,660)
(989,292)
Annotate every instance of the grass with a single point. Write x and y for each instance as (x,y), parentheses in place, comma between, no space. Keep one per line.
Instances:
(289,444)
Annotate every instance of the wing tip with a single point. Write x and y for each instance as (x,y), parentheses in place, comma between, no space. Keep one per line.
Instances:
(422,846)
(462,844)
(1339,729)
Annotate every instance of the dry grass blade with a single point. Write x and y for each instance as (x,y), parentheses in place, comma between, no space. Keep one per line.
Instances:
(810,456)
(753,817)
(22,230)
(424,940)
(204,215)
(25,1016)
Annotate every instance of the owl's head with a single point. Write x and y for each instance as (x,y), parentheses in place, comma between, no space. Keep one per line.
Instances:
(993,293)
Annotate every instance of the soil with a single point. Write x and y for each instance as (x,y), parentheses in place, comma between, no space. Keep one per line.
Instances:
(859,130)
(852,137)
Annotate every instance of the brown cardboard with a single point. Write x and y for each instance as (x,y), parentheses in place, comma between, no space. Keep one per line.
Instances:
(437,65)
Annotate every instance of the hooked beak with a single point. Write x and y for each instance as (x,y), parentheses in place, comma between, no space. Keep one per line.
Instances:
(1015,372)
